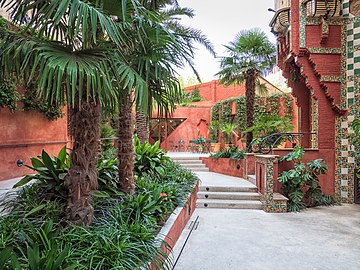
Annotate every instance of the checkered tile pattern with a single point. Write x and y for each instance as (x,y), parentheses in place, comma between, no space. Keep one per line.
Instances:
(344,160)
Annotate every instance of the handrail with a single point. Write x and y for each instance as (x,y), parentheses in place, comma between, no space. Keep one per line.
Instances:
(265,144)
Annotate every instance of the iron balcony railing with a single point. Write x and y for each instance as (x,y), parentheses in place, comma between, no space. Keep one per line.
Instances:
(265,144)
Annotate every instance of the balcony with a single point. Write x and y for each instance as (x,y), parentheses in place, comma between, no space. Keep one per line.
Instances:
(322,8)
(281,21)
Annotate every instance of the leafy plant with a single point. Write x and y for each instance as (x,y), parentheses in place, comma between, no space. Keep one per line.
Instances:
(51,172)
(195,95)
(232,152)
(301,184)
(270,124)
(8,95)
(107,133)
(149,157)
(227,129)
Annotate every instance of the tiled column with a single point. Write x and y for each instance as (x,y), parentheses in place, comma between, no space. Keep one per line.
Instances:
(272,203)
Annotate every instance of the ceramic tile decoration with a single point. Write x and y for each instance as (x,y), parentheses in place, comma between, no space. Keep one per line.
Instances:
(344,170)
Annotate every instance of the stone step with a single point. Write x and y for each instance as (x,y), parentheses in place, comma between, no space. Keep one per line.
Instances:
(227,189)
(185,158)
(199,169)
(229,204)
(189,161)
(252,178)
(228,195)
(194,165)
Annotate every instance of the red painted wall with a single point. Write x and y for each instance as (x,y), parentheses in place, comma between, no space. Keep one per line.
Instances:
(327,180)
(24,135)
(211,92)
(225,166)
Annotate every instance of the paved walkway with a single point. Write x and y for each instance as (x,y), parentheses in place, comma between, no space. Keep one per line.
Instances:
(230,239)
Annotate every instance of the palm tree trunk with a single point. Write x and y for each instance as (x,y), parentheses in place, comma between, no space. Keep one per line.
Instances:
(142,126)
(126,147)
(82,176)
(250,85)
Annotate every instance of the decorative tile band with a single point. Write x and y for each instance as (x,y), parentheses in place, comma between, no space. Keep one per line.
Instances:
(330,78)
(325,50)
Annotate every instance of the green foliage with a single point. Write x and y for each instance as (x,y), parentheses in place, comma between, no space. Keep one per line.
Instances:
(232,152)
(270,124)
(261,109)
(8,95)
(355,141)
(123,235)
(227,129)
(106,133)
(32,102)
(149,157)
(195,95)
(301,184)
(40,249)
(51,173)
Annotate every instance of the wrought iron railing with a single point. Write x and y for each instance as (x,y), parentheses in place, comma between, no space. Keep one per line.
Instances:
(265,144)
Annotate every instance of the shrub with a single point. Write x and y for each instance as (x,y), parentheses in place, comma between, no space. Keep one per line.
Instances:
(149,157)
(232,152)
(301,184)
(51,173)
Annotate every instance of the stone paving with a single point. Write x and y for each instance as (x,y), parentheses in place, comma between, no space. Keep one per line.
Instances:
(229,239)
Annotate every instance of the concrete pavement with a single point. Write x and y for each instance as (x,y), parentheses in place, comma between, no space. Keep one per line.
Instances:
(230,239)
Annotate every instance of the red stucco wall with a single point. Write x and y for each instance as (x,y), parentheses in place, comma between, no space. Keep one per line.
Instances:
(24,135)
(225,166)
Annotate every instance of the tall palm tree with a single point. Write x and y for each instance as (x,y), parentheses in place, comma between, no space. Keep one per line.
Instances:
(250,54)
(73,51)
(164,49)
(169,12)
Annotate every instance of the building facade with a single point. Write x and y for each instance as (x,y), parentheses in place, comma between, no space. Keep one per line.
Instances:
(319,54)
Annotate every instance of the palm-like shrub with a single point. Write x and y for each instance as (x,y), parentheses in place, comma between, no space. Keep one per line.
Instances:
(149,158)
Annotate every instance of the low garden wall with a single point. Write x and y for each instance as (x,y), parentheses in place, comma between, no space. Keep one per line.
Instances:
(226,166)
(176,223)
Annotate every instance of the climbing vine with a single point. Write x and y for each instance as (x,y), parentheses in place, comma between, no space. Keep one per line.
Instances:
(263,106)
(8,95)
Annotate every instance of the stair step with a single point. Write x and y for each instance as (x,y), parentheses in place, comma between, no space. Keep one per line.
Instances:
(189,161)
(194,165)
(252,179)
(229,195)
(231,204)
(185,158)
(199,169)
(227,189)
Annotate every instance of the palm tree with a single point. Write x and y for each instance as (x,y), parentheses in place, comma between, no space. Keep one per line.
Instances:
(169,12)
(250,54)
(164,49)
(73,51)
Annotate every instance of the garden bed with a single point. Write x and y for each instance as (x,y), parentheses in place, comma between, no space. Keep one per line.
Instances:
(176,223)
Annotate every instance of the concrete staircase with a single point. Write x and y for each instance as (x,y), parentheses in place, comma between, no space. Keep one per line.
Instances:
(228,197)
(191,163)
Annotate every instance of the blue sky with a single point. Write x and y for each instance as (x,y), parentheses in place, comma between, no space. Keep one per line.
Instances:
(221,21)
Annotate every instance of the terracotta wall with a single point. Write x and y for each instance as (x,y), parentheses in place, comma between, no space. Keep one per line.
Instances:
(211,92)
(24,135)
(226,166)
(327,180)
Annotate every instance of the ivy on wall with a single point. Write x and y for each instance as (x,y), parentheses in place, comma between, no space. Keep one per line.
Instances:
(9,97)
(263,106)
